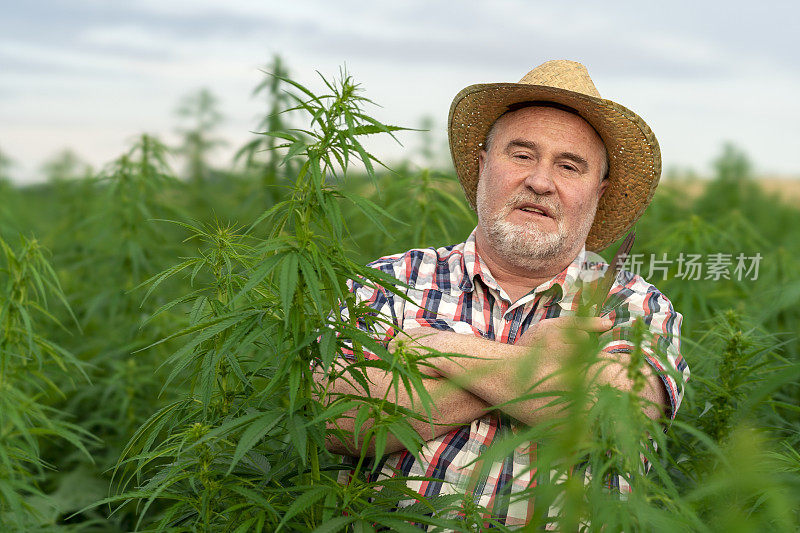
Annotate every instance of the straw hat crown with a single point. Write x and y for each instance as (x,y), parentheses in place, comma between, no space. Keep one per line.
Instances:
(562,74)
(633,151)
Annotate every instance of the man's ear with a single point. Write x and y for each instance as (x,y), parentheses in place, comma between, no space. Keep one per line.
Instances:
(602,189)
(481,157)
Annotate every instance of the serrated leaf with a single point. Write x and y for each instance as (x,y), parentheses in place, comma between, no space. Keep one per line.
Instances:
(380,442)
(208,377)
(370,129)
(362,415)
(334,524)
(295,373)
(335,411)
(252,435)
(258,275)
(297,432)
(280,135)
(327,348)
(302,503)
(312,282)
(409,438)
(288,282)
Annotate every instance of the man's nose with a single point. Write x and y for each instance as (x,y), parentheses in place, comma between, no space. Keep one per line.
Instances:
(540,179)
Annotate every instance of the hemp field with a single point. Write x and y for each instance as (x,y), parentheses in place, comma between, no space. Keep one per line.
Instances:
(158,327)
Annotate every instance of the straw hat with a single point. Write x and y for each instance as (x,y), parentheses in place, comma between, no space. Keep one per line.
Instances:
(633,154)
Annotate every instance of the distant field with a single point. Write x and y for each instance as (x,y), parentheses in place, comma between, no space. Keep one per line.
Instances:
(785,188)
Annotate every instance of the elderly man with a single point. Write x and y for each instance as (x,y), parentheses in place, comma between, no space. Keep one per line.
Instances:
(553,170)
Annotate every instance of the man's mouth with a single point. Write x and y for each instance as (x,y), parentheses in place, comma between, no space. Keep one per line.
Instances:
(533,210)
(537,210)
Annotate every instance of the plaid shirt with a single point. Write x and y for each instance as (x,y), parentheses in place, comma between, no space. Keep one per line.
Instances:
(453,290)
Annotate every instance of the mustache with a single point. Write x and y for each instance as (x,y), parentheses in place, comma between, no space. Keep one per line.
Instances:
(523,198)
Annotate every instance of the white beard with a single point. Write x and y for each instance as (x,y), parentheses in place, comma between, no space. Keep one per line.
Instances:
(526,245)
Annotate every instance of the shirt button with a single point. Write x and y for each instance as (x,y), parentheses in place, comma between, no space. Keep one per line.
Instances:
(482,448)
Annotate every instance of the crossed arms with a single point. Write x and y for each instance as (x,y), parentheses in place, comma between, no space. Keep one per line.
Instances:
(467,388)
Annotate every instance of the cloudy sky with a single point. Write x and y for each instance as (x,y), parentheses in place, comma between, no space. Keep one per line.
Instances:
(92,74)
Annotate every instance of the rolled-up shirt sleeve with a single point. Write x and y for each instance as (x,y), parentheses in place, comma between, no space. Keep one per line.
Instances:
(383,307)
(382,325)
(631,298)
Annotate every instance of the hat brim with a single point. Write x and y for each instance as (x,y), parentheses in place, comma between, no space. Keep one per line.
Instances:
(633,153)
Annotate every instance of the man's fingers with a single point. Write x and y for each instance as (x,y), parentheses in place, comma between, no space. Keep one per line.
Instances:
(408,336)
(574,336)
(583,323)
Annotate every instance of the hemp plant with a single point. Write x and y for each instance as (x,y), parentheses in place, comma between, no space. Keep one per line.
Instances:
(272,171)
(244,448)
(7,190)
(200,114)
(425,201)
(27,281)
(120,246)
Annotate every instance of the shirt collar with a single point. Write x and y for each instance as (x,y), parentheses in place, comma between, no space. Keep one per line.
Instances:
(563,285)
(469,267)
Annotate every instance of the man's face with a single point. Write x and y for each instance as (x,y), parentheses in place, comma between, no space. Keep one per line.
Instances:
(538,187)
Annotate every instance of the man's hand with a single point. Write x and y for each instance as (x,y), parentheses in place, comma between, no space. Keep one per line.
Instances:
(563,333)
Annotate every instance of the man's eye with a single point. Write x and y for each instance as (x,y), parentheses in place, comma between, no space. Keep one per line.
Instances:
(568,167)
(522,156)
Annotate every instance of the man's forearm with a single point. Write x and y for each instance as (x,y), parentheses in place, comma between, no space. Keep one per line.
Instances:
(498,373)
(501,373)
(452,406)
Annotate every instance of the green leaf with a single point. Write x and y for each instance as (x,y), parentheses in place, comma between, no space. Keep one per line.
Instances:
(297,432)
(362,415)
(327,348)
(312,282)
(329,507)
(366,158)
(280,135)
(380,441)
(409,438)
(302,503)
(288,281)
(295,373)
(208,377)
(335,524)
(252,435)
(181,359)
(156,280)
(395,524)
(371,129)
(373,213)
(295,148)
(335,411)
(245,526)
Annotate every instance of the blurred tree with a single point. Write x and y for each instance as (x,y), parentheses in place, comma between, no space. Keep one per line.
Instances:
(732,188)
(65,165)
(433,149)
(677,173)
(278,101)
(200,111)
(135,182)
(732,165)
(5,164)
(426,149)
(7,192)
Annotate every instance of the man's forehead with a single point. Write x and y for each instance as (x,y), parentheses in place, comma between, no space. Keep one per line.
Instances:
(572,120)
